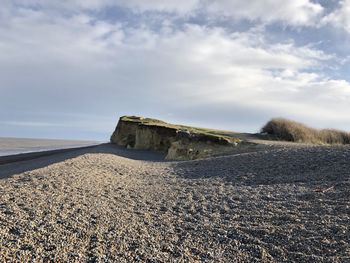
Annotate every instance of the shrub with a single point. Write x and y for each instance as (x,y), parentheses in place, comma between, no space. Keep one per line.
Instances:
(287,130)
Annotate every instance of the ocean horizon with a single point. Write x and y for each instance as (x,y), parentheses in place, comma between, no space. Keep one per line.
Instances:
(13,146)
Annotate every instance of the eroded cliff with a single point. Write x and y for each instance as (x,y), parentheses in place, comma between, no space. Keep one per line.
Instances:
(177,141)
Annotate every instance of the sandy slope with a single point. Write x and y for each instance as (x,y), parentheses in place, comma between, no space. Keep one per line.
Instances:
(277,205)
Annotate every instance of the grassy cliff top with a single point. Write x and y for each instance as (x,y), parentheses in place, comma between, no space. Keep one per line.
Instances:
(231,136)
(276,130)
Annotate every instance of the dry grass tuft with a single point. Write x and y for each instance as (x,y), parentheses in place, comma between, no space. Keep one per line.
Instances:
(287,130)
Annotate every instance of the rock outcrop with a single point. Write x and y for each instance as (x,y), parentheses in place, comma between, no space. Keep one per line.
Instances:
(178,142)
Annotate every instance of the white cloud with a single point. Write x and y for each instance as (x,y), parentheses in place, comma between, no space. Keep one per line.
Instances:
(340,17)
(62,4)
(80,64)
(290,12)
(293,12)
(179,6)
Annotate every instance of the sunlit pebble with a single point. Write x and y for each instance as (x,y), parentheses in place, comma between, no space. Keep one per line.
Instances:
(135,191)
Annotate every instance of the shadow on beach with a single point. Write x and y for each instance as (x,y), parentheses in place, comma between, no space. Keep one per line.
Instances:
(11,165)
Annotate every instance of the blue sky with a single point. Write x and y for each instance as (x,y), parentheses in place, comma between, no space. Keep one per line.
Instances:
(69,69)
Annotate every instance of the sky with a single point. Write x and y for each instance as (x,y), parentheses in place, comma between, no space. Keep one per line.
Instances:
(70,68)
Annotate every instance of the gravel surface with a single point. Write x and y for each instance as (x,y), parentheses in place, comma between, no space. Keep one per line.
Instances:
(275,205)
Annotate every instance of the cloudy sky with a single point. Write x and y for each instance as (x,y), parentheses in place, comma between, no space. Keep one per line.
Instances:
(70,68)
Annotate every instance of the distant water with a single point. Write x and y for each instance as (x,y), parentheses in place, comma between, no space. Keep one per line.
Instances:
(11,146)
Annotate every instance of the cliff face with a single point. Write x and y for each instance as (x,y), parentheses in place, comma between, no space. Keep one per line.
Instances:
(131,132)
(178,142)
(154,137)
(125,133)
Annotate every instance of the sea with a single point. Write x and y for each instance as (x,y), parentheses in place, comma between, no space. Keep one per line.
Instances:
(12,146)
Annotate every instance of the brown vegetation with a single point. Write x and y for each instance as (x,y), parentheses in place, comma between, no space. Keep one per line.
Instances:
(286,130)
